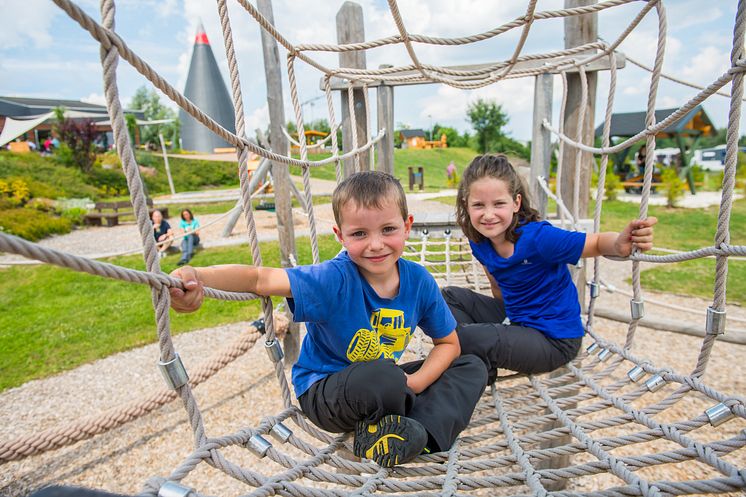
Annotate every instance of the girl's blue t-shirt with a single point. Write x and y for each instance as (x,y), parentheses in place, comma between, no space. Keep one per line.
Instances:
(346,320)
(535,282)
(191,226)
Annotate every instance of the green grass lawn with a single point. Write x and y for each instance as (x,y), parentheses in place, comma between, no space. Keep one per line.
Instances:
(62,319)
(434,162)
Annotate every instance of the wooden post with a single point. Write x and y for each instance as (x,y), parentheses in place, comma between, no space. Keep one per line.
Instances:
(579,30)
(280,172)
(385,118)
(350,29)
(541,143)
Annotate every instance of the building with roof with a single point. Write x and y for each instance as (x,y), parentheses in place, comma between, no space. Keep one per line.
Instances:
(32,119)
(686,133)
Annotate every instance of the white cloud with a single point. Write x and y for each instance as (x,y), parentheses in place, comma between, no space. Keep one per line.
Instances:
(95,98)
(24,21)
(708,64)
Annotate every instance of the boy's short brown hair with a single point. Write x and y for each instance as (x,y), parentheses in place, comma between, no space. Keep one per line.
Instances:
(368,189)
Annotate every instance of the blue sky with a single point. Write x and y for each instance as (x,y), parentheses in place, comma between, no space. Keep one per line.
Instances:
(44,53)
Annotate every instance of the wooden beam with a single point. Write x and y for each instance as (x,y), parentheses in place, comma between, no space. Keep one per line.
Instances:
(280,172)
(541,142)
(385,118)
(601,64)
(350,29)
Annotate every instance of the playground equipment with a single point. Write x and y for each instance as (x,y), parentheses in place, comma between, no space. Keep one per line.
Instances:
(517,430)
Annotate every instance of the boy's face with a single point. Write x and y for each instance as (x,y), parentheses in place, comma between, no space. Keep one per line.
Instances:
(374,237)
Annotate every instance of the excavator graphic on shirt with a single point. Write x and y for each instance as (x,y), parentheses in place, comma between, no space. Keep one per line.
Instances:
(387,337)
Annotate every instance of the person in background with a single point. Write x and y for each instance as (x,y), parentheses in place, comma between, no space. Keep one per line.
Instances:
(162,232)
(190,225)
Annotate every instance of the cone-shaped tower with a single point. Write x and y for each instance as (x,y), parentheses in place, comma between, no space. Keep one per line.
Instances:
(206,89)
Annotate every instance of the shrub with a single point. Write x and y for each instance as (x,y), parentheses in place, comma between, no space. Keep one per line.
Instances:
(74,215)
(612,183)
(15,191)
(32,225)
(673,185)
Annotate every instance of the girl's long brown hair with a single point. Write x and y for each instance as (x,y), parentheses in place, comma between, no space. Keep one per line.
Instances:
(498,167)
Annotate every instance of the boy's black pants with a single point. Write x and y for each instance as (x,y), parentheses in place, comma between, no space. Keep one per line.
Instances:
(367,391)
(518,348)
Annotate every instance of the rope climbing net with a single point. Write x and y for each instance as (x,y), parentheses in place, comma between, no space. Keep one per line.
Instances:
(606,401)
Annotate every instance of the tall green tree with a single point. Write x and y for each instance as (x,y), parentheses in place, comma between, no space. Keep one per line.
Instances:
(487,118)
(147,100)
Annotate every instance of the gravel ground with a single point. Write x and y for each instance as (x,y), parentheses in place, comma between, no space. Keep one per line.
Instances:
(238,396)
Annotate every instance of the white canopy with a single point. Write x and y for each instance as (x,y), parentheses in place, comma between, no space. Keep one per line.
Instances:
(16,126)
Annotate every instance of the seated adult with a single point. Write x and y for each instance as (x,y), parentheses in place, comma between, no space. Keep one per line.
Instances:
(190,226)
(162,231)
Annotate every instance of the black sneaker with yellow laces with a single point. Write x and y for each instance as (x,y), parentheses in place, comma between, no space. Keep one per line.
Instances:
(392,440)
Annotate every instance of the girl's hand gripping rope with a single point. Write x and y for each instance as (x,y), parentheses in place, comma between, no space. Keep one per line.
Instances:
(638,234)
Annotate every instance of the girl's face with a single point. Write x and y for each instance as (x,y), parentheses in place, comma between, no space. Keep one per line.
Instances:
(491,207)
(157,217)
(186,216)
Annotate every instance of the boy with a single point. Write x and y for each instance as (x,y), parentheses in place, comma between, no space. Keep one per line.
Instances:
(360,309)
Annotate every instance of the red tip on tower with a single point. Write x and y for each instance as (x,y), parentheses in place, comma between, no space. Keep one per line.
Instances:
(201,38)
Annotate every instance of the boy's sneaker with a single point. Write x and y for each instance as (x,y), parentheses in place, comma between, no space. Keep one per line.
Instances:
(392,440)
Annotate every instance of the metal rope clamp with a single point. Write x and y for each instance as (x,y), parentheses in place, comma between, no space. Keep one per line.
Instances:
(174,372)
(274,351)
(592,348)
(637,309)
(604,355)
(719,414)
(173,489)
(655,383)
(635,373)
(281,433)
(715,321)
(594,289)
(258,445)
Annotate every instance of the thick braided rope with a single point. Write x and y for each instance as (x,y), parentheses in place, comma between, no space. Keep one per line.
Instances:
(161,299)
(246,190)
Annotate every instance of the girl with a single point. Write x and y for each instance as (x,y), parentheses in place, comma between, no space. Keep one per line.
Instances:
(189,224)
(526,263)
(162,232)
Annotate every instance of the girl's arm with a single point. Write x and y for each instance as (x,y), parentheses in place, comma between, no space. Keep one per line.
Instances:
(446,350)
(638,233)
(494,287)
(267,281)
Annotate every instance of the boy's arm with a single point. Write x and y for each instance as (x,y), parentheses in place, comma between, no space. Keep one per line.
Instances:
(446,350)
(265,281)
(638,233)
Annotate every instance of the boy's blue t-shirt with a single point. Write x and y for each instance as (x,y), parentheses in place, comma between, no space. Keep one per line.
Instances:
(348,322)
(536,285)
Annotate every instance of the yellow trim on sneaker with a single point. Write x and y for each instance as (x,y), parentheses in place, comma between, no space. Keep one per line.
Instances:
(382,445)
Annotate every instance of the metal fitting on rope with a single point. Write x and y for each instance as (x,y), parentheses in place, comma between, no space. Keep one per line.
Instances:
(635,373)
(715,322)
(281,433)
(274,351)
(655,383)
(258,445)
(637,309)
(259,325)
(447,232)
(604,355)
(173,489)
(594,289)
(719,414)
(174,372)
(592,347)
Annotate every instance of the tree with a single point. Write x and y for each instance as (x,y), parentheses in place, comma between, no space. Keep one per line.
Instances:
(487,118)
(148,101)
(77,136)
(452,136)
